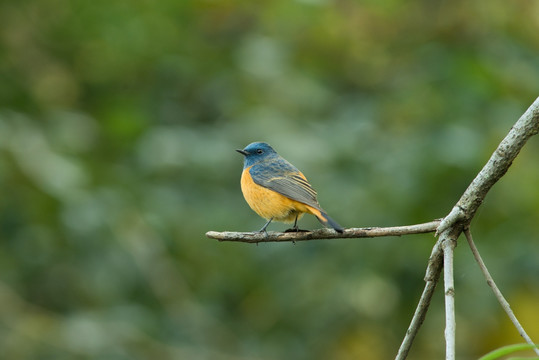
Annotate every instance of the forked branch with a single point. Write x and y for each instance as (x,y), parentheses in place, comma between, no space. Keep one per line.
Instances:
(449,230)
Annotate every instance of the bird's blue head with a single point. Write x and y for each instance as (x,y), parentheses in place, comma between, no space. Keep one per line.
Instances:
(256,152)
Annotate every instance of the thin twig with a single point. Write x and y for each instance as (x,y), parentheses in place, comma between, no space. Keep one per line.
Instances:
(431,280)
(448,245)
(272,236)
(501,299)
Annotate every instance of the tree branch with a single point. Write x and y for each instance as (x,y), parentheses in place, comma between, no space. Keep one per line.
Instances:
(272,236)
(432,276)
(495,168)
(463,212)
(448,245)
(501,299)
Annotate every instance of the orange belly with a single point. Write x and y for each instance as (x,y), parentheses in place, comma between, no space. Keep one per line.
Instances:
(268,203)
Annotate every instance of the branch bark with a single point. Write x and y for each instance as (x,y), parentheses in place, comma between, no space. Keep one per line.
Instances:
(432,276)
(448,245)
(272,236)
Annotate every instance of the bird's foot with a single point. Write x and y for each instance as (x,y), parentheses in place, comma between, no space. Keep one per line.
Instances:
(262,231)
(295,229)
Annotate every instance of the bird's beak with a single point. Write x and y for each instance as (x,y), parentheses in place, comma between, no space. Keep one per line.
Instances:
(243,152)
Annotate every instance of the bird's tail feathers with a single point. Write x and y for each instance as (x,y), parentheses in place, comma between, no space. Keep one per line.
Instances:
(327,221)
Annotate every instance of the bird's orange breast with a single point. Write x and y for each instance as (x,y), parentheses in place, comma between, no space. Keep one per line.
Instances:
(268,203)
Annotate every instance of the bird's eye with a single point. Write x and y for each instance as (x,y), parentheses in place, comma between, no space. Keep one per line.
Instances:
(259,151)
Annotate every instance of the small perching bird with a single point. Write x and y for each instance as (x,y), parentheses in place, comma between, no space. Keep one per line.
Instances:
(277,190)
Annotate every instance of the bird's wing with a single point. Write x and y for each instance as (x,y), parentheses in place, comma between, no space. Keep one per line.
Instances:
(284,178)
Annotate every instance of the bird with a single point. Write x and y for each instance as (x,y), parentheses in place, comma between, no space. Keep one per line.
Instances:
(276,190)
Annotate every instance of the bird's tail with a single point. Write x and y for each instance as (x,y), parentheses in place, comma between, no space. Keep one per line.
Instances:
(326,220)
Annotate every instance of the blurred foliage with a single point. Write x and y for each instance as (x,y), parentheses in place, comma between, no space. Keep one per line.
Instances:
(118,124)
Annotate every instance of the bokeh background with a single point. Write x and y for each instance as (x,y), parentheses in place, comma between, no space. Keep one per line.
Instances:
(118,124)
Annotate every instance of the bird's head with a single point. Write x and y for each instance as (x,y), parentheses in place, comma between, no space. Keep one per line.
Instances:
(256,152)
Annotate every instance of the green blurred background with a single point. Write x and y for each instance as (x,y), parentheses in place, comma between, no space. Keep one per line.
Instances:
(118,124)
